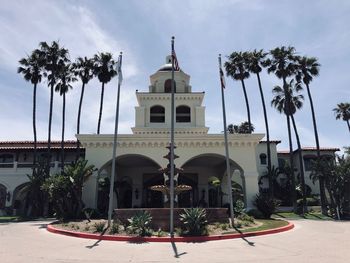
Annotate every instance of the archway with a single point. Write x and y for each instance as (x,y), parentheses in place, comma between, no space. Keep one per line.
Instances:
(19,200)
(134,174)
(3,193)
(210,170)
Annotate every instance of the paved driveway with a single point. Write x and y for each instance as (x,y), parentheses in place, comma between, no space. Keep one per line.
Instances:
(309,241)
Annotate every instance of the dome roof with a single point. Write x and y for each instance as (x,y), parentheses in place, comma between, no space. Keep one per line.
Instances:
(167,66)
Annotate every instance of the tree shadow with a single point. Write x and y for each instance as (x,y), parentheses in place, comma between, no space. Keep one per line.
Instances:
(252,244)
(98,241)
(176,253)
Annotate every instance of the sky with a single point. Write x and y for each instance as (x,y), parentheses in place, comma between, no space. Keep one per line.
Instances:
(142,30)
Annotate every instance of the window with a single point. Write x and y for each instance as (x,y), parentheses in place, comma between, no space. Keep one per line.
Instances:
(281,163)
(183,114)
(263,159)
(308,163)
(167,86)
(6,160)
(157,114)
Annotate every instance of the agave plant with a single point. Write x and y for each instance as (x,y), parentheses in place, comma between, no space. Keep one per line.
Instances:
(195,221)
(139,224)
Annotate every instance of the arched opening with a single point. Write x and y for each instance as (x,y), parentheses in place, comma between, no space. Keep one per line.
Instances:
(167,86)
(157,114)
(211,188)
(183,114)
(134,175)
(19,200)
(3,193)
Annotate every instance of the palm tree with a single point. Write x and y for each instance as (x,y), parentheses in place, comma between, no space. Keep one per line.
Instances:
(255,63)
(64,79)
(104,70)
(32,70)
(236,68)
(55,57)
(288,103)
(307,69)
(283,64)
(342,111)
(83,68)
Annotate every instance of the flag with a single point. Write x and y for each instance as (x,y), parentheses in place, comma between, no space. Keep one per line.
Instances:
(119,71)
(222,79)
(176,63)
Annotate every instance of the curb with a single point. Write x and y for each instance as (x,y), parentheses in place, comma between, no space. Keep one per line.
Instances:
(52,229)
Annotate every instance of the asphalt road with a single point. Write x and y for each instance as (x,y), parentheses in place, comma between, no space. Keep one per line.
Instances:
(310,241)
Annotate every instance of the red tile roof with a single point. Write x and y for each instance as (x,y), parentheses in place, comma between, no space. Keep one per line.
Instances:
(14,145)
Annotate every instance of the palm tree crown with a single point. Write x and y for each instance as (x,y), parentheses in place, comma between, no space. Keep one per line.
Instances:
(83,68)
(307,69)
(283,99)
(104,67)
(236,67)
(342,111)
(32,67)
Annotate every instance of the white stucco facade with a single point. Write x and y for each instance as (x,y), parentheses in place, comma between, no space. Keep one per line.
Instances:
(201,154)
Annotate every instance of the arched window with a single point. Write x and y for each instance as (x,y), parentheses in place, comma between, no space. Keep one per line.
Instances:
(183,114)
(167,86)
(157,114)
(263,159)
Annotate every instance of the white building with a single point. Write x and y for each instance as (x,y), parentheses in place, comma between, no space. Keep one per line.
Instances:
(140,154)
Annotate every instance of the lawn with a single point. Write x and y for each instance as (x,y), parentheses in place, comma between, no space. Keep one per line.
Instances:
(311,215)
(6,219)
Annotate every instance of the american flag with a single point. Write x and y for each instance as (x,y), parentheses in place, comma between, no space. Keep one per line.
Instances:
(176,63)
(222,79)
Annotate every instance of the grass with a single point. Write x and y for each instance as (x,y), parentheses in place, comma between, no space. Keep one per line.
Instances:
(310,215)
(7,219)
(267,224)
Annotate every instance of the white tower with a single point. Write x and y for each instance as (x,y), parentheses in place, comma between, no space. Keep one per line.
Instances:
(153,110)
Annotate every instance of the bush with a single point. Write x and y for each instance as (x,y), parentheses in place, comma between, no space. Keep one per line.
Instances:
(114,229)
(238,207)
(139,224)
(266,205)
(245,217)
(256,214)
(99,226)
(194,221)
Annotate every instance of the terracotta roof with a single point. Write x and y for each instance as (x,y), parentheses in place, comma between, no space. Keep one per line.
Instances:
(309,149)
(13,145)
(271,141)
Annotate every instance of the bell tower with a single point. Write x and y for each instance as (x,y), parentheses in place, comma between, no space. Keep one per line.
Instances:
(153,110)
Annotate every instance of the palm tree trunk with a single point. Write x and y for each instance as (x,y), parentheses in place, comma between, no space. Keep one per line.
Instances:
(78,121)
(267,138)
(49,130)
(320,180)
(291,163)
(63,126)
(347,121)
(247,104)
(301,165)
(101,106)
(34,126)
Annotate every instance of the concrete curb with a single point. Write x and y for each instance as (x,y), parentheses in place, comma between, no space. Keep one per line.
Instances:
(132,239)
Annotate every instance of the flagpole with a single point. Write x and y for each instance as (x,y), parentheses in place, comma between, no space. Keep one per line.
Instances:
(111,188)
(228,169)
(172,141)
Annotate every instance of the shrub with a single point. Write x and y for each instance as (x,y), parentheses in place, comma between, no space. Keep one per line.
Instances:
(245,217)
(99,226)
(139,224)
(114,229)
(238,207)
(266,205)
(194,221)
(255,213)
